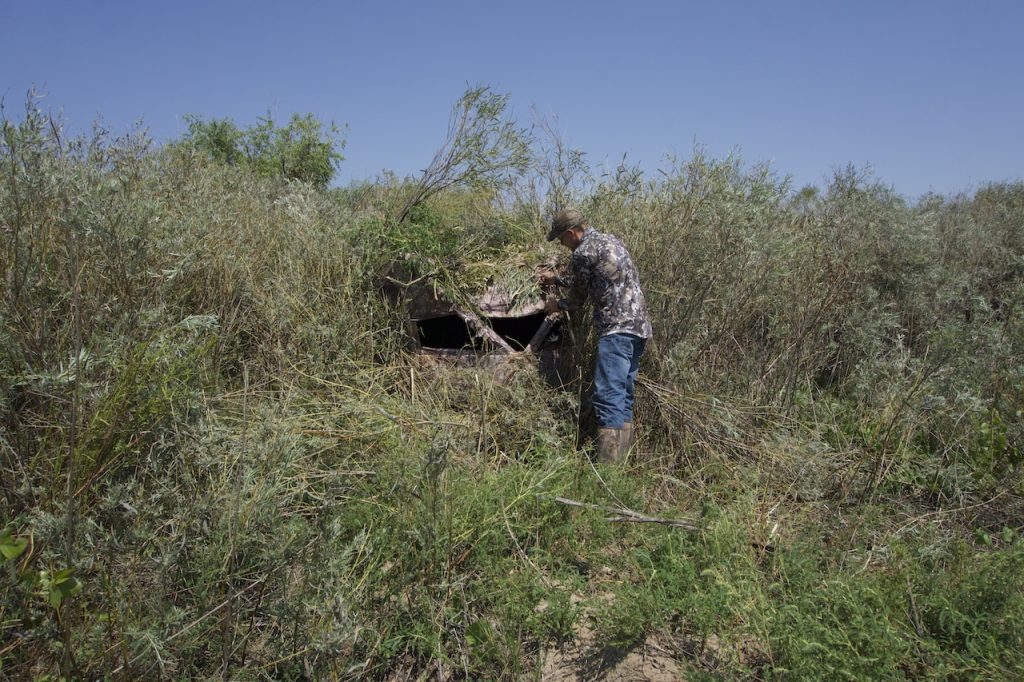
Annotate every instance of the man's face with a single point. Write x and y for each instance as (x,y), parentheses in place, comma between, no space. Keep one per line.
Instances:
(569,239)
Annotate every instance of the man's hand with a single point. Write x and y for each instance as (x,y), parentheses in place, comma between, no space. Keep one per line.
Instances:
(548,278)
(551,305)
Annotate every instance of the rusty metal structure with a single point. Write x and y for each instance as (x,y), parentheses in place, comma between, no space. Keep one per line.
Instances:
(491,331)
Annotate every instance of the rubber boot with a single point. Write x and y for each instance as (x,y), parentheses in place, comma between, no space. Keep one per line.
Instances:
(609,445)
(628,435)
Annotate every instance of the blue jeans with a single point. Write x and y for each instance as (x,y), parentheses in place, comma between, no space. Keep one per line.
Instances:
(618,359)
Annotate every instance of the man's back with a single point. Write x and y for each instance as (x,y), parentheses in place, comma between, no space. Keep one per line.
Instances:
(603,269)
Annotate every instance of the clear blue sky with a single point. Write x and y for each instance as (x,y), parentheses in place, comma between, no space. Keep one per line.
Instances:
(930,94)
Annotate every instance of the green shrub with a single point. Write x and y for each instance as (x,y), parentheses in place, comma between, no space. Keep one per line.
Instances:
(301,150)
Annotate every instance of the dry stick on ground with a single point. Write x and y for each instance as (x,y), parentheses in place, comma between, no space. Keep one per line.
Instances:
(630,516)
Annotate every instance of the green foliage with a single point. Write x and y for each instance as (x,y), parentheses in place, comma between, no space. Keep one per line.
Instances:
(11,547)
(967,611)
(485,149)
(57,587)
(301,150)
(218,459)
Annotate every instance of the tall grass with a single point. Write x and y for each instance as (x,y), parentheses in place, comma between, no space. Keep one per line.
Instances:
(219,460)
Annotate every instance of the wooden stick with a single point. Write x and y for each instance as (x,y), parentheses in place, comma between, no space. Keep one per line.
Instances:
(542,332)
(483,330)
(630,516)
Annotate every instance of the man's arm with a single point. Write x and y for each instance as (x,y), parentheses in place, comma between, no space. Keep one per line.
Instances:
(577,283)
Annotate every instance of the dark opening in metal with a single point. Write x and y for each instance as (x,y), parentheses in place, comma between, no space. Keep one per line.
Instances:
(453,332)
(448,332)
(517,331)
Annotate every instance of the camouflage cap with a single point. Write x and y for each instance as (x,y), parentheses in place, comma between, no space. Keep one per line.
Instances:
(565,219)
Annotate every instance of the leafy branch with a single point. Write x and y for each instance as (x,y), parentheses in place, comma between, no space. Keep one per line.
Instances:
(483,148)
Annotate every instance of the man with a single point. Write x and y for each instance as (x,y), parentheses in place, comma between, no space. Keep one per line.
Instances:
(603,270)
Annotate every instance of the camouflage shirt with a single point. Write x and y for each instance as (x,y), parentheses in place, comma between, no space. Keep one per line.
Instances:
(603,269)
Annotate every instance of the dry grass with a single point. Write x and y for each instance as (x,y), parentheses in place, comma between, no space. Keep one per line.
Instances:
(211,419)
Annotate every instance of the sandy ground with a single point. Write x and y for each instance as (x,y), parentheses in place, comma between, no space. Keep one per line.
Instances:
(585,659)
